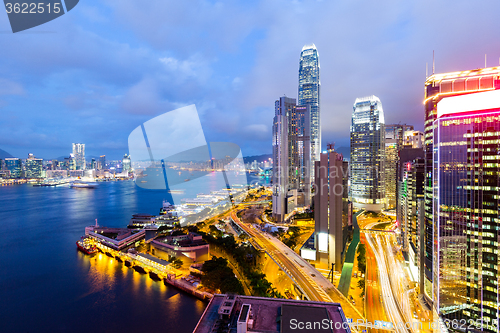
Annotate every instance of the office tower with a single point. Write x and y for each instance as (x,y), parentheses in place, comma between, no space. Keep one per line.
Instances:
(34,167)
(79,154)
(93,164)
(330,207)
(465,183)
(126,163)
(392,147)
(291,157)
(14,166)
(368,154)
(102,160)
(437,88)
(411,192)
(309,94)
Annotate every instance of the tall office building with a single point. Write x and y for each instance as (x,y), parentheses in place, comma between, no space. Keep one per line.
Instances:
(102,162)
(414,139)
(291,157)
(394,142)
(309,94)
(330,208)
(93,164)
(14,166)
(368,154)
(79,154)
(437,88)
(465,184)
(34,167)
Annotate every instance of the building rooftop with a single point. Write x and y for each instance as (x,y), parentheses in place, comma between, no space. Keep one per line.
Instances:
(226,313)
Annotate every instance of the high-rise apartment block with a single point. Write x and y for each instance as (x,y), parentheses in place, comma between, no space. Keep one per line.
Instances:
(368,154)
(309,94)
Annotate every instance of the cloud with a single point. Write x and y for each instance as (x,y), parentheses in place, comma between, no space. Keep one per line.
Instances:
(113,65)
(8,87)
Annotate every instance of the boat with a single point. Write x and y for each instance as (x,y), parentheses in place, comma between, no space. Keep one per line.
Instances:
(85,246)
(154,276)
(79,184)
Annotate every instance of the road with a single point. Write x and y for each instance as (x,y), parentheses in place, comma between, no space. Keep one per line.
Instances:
(312,283)
(297,274)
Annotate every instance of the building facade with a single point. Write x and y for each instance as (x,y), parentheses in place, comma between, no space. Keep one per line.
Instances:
(33,167)
(291,157)
(368,154)
(309,94)
(79,154)
(126,163)
(466,191)
(437,88)
(14,166)
(330,208)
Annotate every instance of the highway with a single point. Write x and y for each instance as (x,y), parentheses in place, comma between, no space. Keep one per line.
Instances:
(312,283)
(296,273)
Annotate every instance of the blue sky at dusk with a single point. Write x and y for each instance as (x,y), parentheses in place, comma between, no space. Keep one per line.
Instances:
(104,68)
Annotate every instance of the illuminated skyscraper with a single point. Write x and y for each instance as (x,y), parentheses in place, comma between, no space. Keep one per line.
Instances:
(437,88)
(309,94)
(291,157)
(79,154)
(34,167)
(14,166)
(368,154)
(102,162)
(126,163)
(330,208)
(394,135)
(466,192)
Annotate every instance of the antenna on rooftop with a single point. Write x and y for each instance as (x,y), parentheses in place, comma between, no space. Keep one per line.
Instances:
(433,63)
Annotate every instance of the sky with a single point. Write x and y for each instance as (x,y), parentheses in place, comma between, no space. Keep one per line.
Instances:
(96,73)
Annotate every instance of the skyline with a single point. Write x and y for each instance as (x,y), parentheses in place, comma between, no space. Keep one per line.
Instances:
(93,75)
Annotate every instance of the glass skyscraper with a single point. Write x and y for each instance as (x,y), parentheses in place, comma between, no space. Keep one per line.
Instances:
(79,153)
(437,88)
(291,155)
(466,193)
(14,166)
(309,94)
(368,154)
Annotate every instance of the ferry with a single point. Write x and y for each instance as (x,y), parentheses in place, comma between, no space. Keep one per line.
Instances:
(85,246)
(78,184)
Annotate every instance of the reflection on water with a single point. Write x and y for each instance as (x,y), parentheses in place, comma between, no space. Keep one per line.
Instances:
(61,289)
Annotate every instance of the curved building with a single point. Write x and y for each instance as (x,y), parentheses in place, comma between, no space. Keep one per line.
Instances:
(368,154)
(309,94)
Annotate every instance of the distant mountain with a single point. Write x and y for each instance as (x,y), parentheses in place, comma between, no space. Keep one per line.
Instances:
(4,154)
(258,158)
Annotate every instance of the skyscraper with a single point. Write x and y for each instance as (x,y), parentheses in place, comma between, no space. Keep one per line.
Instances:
(330,208)
(34,167)
(368,154)
(126,163)
(102,162)
(14,166)
(309,94)
(394,141)
(79,154)
(438,87)
(291,156)
(465,183)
